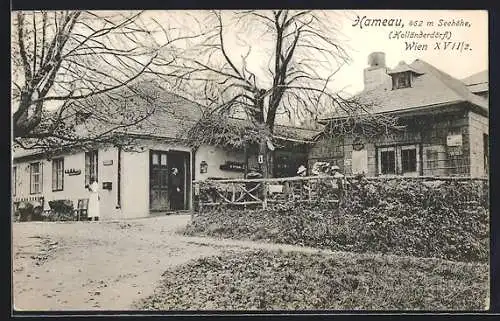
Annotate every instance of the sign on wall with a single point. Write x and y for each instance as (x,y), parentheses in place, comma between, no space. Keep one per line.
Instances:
(359,162)
(454,140)
(73,172)
(233,166)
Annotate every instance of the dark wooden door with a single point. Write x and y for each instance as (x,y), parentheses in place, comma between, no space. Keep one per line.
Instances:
(286,163)
(158,181)
(178,173)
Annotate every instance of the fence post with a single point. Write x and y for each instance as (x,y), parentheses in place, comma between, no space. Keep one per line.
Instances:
(309,187)
(264,196)
(200,200)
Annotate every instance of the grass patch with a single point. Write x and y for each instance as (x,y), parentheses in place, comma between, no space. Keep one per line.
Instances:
(261,280)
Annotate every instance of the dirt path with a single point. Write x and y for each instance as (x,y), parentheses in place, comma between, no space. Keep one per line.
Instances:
(81,266)
(104,265)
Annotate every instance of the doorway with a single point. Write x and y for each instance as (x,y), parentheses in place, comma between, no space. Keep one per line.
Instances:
(169,181)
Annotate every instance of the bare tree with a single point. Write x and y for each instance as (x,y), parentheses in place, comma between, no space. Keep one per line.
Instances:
(67,63)
(301,50)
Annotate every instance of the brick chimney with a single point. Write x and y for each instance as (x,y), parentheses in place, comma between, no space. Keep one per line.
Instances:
(376,73)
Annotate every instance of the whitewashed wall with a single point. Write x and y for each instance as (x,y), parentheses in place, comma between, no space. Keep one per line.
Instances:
(216,156)
(134,182)
(73,186)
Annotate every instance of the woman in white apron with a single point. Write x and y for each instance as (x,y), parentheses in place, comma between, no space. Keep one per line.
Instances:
(94,200)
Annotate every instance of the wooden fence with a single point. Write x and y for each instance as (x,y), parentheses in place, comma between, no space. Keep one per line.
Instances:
(267,192)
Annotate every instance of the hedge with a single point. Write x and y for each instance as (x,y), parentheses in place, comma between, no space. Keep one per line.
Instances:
(404,217)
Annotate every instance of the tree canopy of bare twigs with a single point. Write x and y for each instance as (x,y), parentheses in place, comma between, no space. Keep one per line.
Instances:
(65,62)
(283,63)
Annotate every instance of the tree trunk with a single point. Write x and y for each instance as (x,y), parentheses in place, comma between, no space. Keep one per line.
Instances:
(263,150)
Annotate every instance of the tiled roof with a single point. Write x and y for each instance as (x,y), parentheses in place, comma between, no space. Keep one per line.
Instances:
(171,115)
(298,133)
(431,87)
(174,115)
(284,131)
(402,67)
(477,82)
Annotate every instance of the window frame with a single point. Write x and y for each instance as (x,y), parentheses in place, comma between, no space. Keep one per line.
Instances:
(40,178)
(55,161)
(397,77)
(417,157)
(381,150)
(398,159)
(14,180)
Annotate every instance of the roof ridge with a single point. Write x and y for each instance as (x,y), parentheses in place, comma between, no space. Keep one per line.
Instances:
(476,74)
(447,79)
(281,125)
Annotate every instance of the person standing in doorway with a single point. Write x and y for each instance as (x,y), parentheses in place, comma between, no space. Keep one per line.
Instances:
(94,200)
(176,192)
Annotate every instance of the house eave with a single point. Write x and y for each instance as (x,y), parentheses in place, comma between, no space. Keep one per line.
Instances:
(419,110)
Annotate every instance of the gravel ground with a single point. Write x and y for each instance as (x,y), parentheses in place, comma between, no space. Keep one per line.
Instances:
(95,265)
(106,265)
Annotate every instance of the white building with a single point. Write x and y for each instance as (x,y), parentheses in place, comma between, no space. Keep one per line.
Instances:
(137,182)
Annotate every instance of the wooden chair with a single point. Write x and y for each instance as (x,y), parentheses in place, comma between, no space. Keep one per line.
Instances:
(82,209)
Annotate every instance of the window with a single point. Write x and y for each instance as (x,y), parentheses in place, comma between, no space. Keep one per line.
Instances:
(401,80)
(35,178)
(400,160)
(409,160)
(14,180)
(387,161)
(57,174)
(90,166)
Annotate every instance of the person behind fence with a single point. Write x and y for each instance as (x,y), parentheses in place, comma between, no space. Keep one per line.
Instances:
(94,199)
(340,178)
(302,172)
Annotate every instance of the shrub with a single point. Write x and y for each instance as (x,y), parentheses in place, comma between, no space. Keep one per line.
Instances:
(62,209)
(25,211)
(448,220)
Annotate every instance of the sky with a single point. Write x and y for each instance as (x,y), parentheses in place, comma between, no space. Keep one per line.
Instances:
(360,42)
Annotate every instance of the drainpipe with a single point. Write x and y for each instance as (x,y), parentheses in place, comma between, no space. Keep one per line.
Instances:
(192,178)
(119,178)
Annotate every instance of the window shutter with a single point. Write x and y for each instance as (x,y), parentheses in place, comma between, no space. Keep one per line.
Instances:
(54,174)
(87,168)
